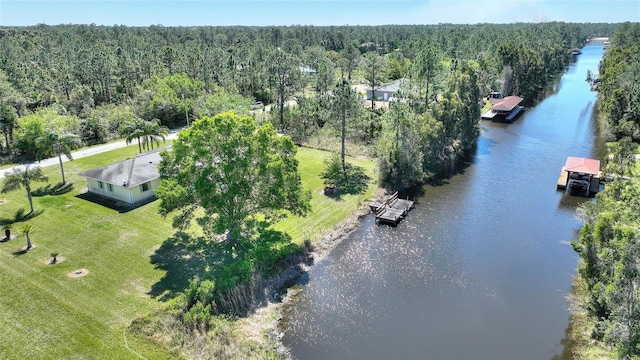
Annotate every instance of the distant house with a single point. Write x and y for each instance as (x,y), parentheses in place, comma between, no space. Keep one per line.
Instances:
(369,46)
(386,92)
(307,70)
(130,181)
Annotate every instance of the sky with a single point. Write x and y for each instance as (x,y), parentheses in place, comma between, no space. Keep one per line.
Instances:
(311,12)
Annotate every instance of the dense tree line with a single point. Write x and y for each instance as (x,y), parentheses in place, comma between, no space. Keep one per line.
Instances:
(618,83)
(100,78)
(609,245)
(58,64)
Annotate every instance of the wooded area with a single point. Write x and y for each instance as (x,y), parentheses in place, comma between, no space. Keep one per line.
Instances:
(94,81)
(99,83)
(609,244)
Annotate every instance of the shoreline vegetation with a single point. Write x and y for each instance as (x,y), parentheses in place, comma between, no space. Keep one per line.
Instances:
(155,290)
(605,300)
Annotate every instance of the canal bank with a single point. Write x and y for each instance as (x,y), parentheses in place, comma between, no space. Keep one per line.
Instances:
(482,266)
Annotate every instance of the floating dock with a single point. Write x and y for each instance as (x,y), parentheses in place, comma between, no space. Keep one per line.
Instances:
(391,210)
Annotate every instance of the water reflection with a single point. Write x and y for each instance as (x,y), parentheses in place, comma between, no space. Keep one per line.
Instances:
(480,268)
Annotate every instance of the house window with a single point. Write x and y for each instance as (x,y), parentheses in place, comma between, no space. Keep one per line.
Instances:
(100,184)
(144,187)
(110,187)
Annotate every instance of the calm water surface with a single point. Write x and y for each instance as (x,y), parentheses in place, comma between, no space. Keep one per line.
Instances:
(480,269)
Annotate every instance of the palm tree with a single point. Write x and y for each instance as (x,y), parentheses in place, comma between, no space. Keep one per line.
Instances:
(133,130)
(27,229)
(53,142)
(153,131)
(22,178)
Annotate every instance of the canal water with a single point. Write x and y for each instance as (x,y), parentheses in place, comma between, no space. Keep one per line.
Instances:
(480,269)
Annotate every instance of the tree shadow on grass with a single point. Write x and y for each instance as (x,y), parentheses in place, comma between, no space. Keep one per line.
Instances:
(354,183)
(20,216)
(21,252)
(184,257)
(274,251)
(57,189)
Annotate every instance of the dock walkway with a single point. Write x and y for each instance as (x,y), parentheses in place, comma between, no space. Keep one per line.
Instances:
(391,210)
(563,179)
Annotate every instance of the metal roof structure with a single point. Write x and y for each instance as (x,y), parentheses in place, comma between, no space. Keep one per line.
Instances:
(582,165)
(130,172)
(507,103)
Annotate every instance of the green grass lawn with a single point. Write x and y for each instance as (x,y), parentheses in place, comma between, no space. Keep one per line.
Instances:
(326,211)
(46,314)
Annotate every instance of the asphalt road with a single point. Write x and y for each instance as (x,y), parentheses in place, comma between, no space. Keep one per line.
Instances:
(81,153)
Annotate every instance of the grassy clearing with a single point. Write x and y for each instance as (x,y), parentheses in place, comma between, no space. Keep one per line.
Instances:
(326,212)
(46,314)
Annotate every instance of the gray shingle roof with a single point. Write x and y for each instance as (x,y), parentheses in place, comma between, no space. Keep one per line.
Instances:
(393,87)
(131,172)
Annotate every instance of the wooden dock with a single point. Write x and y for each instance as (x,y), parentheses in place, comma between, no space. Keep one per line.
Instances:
(391,210)
(563,179)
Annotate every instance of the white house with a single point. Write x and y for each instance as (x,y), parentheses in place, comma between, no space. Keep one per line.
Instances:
(386,92)
(130,181)
(307,70)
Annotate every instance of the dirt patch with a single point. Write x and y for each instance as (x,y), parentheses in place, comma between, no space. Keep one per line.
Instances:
(377,104)
(78,273)
(59,259)
(3,201)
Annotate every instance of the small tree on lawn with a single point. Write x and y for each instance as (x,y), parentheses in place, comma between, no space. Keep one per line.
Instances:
(27,229)
(22,178)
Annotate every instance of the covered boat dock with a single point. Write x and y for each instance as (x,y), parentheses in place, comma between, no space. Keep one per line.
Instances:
(504,109)
(580,176)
